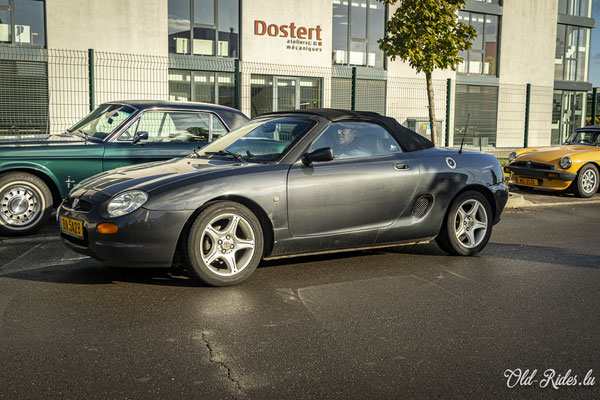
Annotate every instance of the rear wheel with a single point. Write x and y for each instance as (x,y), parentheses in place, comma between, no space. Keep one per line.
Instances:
(586,183)
(225,244)
(25,203)
(468,225)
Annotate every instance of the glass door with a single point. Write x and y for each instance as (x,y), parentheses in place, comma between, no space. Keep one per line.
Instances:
(286,96)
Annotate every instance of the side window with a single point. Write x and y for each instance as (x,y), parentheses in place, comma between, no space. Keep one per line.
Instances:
(150,122)
(108,122)
(357,139)
(218,129)
(167,126)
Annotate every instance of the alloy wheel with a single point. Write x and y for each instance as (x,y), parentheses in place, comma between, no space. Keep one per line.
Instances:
(588,181)
(470,223)
(228,244)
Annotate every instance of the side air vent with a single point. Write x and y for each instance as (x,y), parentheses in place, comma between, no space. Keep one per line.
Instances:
(421,207)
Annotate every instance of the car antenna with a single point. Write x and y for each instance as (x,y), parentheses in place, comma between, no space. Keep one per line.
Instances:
(462,142)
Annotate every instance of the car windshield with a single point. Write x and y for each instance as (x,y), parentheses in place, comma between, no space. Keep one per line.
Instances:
(584,137)
(259,140)
(103,121)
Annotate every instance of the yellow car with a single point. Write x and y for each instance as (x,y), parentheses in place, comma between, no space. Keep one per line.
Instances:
(573,165)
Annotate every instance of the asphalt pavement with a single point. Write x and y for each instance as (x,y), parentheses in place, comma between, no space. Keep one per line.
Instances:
(406,322)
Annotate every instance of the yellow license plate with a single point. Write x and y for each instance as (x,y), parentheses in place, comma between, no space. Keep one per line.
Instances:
(71,227)
(527,181)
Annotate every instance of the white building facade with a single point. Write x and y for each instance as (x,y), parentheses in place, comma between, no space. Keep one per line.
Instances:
(524,82)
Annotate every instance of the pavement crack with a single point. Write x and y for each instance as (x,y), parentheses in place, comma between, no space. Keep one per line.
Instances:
(213,359)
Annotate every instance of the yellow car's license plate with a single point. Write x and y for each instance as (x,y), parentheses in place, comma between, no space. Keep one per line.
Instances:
(71,227)
(527,181)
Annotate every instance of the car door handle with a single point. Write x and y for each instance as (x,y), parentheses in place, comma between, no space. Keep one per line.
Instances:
(402,166)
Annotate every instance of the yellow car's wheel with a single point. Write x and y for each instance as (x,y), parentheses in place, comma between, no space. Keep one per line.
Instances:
(586,183)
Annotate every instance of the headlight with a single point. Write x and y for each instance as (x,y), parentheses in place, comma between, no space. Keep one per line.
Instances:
(126,202)
(565,162)
(512,156)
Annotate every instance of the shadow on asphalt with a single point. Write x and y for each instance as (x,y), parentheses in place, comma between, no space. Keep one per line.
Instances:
(517,252)
(91,272)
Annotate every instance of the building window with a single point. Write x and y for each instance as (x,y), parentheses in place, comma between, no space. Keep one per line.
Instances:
(22,22)
(589,109)
(490,1)
(482,58)
(357,25)
(204,27)
(567,114)
(572,53)
(577,8)
(203,86)
(281,93)
(480,105)
(24,94)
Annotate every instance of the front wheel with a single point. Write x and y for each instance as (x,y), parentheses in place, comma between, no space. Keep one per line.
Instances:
(468,225)
(225,244)
(586,183)
(25,203)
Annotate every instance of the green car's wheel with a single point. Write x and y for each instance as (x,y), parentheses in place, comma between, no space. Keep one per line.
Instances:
(586,183)
(468,225)
(25,203)
(225,244)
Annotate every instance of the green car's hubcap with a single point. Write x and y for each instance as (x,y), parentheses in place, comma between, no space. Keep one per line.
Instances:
(20,205)
(470,223)
(227,244)
(588,181)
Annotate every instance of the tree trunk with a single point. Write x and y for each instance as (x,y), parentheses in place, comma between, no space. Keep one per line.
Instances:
(434,135)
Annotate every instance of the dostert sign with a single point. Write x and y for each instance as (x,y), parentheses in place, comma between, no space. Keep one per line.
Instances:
(291,30)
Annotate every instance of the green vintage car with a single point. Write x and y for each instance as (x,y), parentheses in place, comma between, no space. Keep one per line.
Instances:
(35,175)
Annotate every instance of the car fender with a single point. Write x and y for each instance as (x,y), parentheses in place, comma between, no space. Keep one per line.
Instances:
(30,166)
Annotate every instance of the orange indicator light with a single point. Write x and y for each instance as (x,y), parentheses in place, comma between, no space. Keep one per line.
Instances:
(106,228)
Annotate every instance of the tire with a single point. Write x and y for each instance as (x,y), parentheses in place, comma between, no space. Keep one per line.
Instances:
(586,183)
(224,245)
(467,226)
(25,203)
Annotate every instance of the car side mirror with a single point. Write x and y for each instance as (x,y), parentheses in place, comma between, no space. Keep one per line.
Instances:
(322,154)
(140,136)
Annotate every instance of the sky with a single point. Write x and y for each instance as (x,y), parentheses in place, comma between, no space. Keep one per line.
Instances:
(594,76)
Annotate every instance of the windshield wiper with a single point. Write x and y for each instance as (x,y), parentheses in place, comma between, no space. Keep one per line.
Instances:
(226,153)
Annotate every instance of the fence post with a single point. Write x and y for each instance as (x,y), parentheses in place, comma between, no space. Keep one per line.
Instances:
(594,105)
(238,85)
(354,81)
(527,108)
(448,100)
(91,78)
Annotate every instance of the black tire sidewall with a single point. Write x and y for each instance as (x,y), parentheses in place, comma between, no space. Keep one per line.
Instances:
(451,240)
(196,266)
(579,184)
(44,193)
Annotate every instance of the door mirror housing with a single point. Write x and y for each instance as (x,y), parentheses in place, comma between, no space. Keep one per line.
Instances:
(139,136)
(322,154)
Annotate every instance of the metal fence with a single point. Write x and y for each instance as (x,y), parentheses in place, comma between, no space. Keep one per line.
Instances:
(46,91)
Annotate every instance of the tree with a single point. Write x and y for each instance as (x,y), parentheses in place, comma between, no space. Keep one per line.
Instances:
(427,35)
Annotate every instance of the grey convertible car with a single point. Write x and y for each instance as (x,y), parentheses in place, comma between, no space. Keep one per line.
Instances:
(285,184)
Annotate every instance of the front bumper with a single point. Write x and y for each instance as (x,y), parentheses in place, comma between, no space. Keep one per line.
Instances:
(144,239)
(550,178)
(500,192)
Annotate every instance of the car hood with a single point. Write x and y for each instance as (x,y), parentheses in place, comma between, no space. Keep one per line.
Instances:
(550,155)
(26,146)
(151,176)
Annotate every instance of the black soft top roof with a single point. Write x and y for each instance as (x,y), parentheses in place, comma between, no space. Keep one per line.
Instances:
(232,117)
(409,140)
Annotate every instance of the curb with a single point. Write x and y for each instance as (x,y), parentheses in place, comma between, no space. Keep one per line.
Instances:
(516,201)
(30,239)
